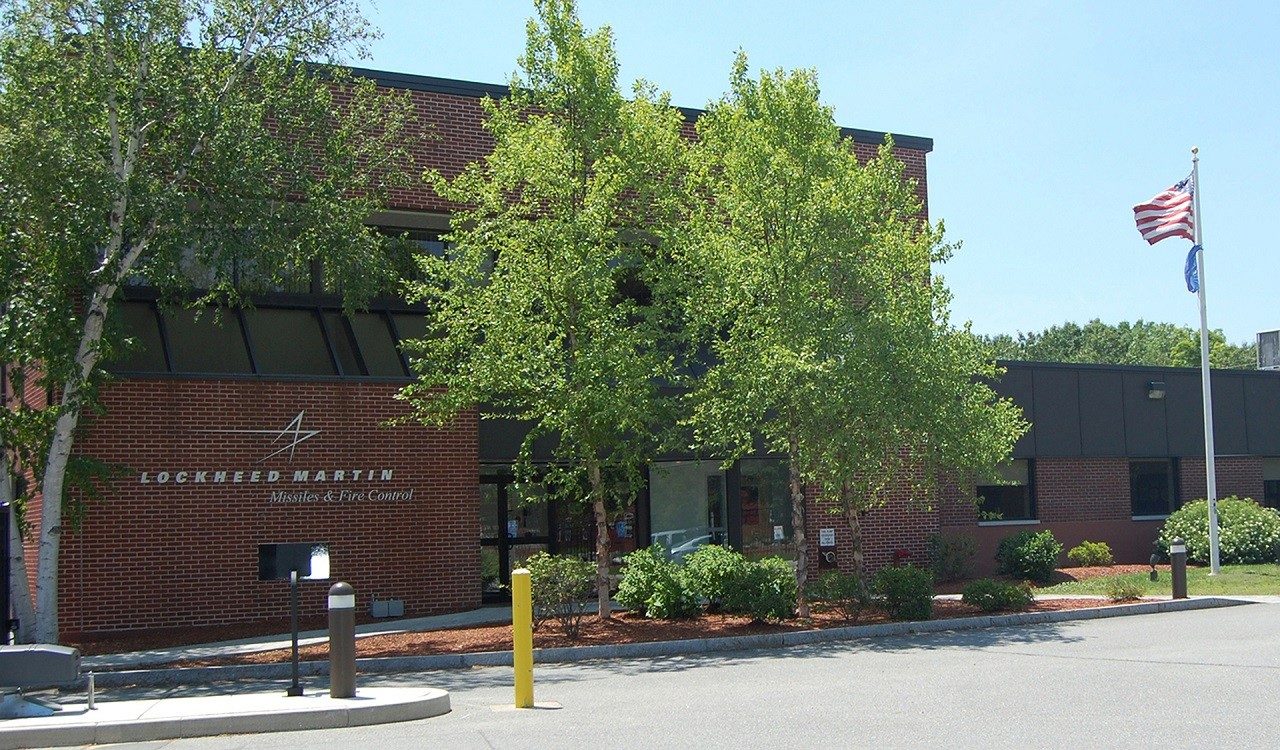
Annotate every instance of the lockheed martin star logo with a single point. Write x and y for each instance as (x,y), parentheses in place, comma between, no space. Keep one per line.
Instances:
(292,432)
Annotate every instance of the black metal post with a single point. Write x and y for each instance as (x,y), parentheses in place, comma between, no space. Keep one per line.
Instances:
(342,641)
(6,621)
(1178,561)
(295,689)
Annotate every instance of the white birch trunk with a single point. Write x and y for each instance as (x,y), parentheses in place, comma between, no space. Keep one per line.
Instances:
(604,611)
(797,526)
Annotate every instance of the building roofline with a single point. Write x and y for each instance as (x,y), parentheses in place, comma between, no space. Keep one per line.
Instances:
(412,82)
(1029,364)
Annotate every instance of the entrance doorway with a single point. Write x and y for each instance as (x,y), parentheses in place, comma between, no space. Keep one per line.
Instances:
(515,526)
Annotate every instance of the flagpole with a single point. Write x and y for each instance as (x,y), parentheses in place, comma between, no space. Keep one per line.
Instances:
(1210,470)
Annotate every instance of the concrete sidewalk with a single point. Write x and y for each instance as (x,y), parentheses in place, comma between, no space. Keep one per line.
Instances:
(166,718)
(141,659)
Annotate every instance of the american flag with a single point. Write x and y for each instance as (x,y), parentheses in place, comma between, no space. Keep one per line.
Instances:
(1169,214)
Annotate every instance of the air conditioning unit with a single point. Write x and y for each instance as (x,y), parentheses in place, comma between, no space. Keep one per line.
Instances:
(1269,350)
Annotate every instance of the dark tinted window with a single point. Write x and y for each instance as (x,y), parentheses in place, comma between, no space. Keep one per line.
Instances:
(288,342)
(344,343)
(141,325)
(208,343)
(376,345)
(410,326)
(1153,487)
(1013,499)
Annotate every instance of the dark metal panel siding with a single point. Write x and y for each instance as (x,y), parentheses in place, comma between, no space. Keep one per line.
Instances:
(1145,425)
(1102,429)
(1057,412)
(1017,385)
(500,441)
(1262,401)
(1228,415)
(1184,412)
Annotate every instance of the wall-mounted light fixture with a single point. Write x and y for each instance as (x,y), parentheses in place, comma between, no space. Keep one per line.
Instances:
(1155,389)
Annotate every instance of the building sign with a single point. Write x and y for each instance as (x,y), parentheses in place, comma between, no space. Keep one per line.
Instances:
(363,484)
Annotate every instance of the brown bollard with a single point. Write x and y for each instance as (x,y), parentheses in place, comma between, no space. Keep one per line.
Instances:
(1178,561)
(342,641)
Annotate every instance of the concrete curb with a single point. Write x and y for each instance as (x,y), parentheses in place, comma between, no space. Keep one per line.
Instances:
(393,664)
(174,718)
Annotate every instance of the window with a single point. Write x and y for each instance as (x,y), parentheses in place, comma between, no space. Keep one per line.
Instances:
(1271,482)
(766,509)
(1153,487)
(1013,499)
(288,342)
(376,345)
(687,505)
(210,342)
(146,354)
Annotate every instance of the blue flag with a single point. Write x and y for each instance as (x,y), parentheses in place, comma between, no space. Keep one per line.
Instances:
(1191,271)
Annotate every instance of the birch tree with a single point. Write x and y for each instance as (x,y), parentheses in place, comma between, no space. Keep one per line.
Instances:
(150,141)
(548,308)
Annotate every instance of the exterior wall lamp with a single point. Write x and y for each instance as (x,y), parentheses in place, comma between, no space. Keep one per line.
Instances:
(1155,389)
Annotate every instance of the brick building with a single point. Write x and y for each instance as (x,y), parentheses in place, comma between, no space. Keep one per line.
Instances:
(234,443)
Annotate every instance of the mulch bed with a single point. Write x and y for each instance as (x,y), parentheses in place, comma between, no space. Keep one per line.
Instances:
(625,627)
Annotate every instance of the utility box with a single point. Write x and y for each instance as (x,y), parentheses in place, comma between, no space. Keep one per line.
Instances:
(386,607)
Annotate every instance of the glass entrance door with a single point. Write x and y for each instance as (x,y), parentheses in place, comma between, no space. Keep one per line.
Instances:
(512,528)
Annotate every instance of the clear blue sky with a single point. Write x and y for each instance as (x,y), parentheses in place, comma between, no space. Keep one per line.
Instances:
(1049,120)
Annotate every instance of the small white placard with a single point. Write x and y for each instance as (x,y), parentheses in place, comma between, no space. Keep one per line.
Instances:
(778,534)
(826,537)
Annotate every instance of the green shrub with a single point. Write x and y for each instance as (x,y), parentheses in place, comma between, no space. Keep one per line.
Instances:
(654,585)
(1123,588)
(906,592)
(1031,555)
(1091,554)
(842,592)
(711,572)
(950,555)
(1247,532)
(561,586)
(764,589)
(994,596)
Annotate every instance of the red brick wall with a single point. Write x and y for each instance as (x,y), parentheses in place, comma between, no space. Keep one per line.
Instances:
(455,136)
(1082,489)
(157,555)
(1088,499)
(1235,475)
(900,525)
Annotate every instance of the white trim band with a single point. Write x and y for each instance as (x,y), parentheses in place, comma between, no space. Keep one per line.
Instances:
(342,601)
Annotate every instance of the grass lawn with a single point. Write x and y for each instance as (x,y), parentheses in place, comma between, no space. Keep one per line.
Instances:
(1234,579)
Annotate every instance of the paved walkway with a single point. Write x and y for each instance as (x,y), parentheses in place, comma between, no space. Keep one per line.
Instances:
(255,711)
(140,659)
(153,713)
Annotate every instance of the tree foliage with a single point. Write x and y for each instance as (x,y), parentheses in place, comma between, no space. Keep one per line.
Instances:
(161,143)
(829,340)
(549,308)
(1139,343)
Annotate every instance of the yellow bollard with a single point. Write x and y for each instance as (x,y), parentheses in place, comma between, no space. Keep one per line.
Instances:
(522,636)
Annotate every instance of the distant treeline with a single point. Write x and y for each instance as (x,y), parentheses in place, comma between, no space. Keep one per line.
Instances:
(1138,343)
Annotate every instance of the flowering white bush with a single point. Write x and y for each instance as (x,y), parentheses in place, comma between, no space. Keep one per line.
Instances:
(1247,532)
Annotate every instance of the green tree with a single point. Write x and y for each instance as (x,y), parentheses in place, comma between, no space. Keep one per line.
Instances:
(1185,352)
(548,308)
(829,340)
(1139,343)
(150,142)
